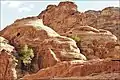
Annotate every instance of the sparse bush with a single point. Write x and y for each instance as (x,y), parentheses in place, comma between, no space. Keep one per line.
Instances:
(75,37)
(26,54)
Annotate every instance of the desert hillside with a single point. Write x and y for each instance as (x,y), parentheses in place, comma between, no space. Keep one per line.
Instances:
(62,43)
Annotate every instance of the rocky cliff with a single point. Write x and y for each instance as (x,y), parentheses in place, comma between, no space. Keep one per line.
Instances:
(64,16)
(63,43)
(65,19)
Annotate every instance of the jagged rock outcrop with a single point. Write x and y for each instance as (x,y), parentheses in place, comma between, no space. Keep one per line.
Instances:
(79,69)
(64,16)
(7,61)
(49,47)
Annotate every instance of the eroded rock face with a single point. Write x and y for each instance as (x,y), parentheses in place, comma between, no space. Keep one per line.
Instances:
(78,69)
(58,56)
(96,43)
(7,61)
(60,18)
(108,19)
(49,47)
(65,16)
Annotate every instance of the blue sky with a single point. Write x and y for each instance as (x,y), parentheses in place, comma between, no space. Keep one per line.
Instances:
(12,10)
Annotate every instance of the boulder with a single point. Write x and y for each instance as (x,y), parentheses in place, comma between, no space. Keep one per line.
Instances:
(7,61)
(49,47)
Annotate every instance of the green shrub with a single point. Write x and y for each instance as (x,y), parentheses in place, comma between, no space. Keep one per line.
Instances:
(75,37)
(26,54)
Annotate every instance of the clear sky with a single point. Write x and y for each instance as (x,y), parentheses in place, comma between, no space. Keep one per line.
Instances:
(12,10)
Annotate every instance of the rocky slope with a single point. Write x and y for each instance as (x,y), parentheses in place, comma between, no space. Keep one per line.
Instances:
(82,52)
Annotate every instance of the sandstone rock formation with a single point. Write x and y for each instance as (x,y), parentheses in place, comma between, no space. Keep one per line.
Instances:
(7,61)
(101,76)
(64,16)
(57,56)
(96,43)
(108,19)
(49,47)
(66,20)
(78,69)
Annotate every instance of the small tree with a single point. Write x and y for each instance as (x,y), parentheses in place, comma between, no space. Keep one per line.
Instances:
(26,54)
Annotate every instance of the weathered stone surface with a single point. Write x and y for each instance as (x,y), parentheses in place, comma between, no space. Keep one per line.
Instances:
(108,19)
(78,69)
(7,61)
(96,43)
(65,16)
(61,17)
(58,56)
(49,47)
